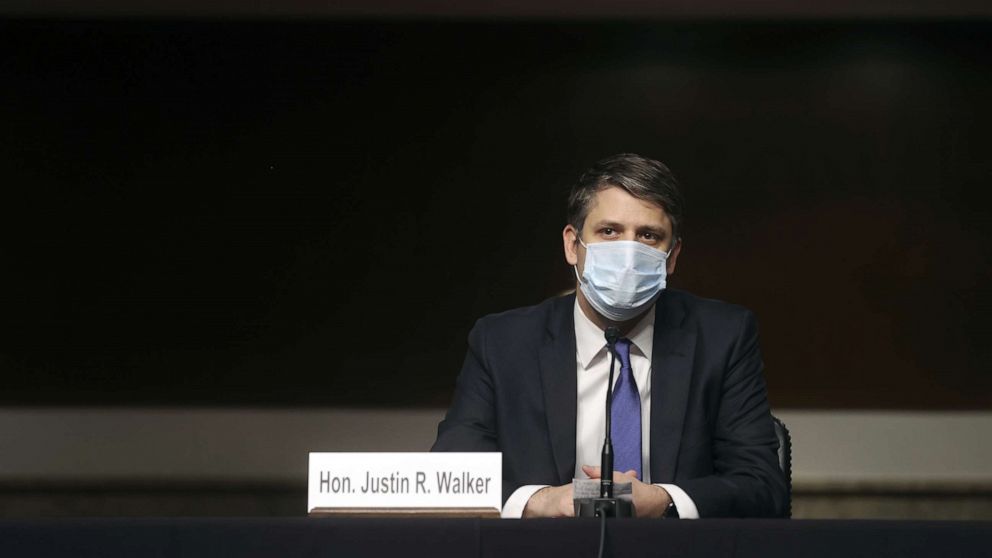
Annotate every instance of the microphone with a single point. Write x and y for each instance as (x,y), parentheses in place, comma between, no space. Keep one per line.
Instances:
(606,460)
(606,505)
(612,334)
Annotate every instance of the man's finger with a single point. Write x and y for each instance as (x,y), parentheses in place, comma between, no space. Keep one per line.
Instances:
(591,471)
(625,477)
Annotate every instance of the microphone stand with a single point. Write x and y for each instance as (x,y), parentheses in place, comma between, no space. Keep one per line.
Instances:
(606,505)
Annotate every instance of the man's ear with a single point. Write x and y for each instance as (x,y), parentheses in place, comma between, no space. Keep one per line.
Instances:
(673,256)
(570,242)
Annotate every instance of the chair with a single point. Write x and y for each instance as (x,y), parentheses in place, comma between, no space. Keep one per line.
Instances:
(784,456)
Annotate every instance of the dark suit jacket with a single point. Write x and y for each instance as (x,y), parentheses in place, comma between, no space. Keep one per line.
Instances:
(711,430)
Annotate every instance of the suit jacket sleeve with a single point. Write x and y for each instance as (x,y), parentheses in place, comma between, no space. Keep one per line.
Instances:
(746,479)
(470,424)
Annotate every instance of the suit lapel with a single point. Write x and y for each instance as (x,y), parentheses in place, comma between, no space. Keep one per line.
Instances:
(557,363)
(671,374)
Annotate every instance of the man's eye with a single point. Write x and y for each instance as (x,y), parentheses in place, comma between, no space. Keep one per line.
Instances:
(608,231)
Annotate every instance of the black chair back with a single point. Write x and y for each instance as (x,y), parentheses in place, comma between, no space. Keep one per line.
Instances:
(784,456)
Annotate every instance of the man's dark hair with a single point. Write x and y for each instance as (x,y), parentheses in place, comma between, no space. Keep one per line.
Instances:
(640,177)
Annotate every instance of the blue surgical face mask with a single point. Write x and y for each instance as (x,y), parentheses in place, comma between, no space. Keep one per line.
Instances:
(622,277)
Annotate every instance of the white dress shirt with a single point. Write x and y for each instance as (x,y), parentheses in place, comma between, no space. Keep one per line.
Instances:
(592,365)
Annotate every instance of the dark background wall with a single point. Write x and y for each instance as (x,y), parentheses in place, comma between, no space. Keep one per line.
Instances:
(299,212)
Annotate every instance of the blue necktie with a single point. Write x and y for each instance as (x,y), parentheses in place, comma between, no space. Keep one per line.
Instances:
(626,415)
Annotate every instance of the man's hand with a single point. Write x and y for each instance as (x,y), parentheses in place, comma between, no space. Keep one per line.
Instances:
(551,501)
(649,500)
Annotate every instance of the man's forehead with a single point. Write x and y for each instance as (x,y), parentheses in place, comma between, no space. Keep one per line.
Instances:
(616,205)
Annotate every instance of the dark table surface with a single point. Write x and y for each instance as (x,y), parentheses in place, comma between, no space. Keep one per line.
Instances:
(319,537)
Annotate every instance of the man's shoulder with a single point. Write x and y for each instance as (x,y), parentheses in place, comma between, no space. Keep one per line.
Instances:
(528,320)
(718,325)
(701,309)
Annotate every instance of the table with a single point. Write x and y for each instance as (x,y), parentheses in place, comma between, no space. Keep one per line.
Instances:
(344,537)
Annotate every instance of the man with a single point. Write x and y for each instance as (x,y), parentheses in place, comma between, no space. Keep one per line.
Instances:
(691,426)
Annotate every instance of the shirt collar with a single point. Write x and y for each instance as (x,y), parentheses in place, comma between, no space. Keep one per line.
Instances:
(590,342)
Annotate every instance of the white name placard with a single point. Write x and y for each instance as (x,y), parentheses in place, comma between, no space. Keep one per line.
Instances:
(405,480)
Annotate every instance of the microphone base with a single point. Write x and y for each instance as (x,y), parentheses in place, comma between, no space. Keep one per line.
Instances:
(603,507)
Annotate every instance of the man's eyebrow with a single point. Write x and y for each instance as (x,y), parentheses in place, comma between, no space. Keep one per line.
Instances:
(660,232)
(610,224)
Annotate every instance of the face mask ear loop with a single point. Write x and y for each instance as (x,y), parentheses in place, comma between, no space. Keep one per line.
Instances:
(575,268)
